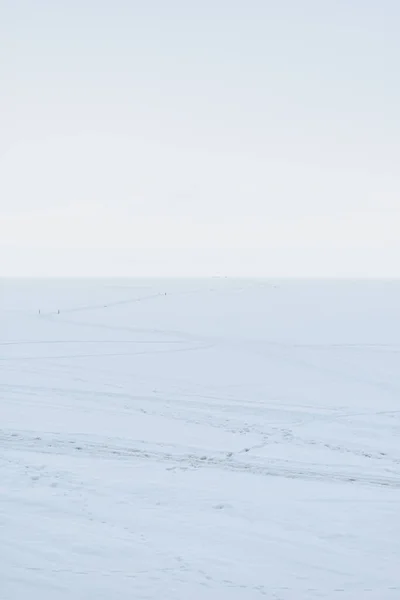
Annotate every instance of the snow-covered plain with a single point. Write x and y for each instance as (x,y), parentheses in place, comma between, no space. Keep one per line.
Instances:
(179,440)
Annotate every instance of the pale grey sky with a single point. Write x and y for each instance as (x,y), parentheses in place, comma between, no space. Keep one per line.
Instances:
(220,137)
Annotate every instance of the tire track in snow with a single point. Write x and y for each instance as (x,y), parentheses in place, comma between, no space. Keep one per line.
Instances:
(186,458)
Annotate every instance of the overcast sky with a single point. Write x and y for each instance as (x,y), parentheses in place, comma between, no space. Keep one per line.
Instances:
(212,137)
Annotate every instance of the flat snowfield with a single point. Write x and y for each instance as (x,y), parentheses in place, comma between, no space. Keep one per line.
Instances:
(199,440)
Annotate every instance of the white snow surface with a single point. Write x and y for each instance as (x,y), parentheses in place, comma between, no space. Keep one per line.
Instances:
(188,440)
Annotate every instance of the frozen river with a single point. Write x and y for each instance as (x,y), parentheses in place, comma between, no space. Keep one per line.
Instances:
(199,439)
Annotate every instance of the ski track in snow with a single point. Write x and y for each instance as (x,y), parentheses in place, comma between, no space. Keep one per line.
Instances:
(199,440)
